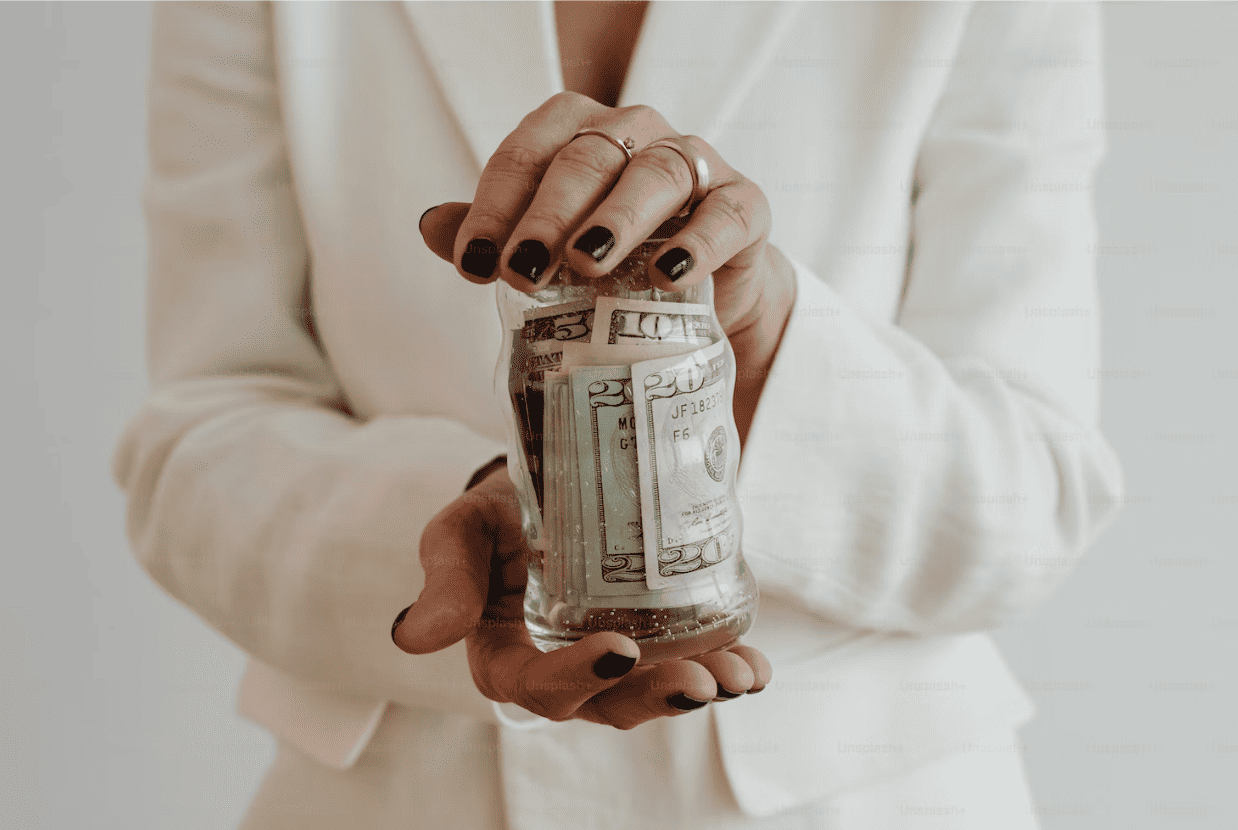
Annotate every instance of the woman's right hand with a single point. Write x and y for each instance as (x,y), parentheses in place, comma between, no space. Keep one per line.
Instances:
(475,559)
(549,197)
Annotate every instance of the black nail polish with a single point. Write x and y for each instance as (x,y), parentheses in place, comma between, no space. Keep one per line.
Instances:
(530,259)
(612,665)
(596,242)
(480,257)
(397,622)
(754,691)
(423,216)
(675,263)
(684,703)
(727,695)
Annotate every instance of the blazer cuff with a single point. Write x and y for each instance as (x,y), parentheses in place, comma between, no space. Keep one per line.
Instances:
(516,717)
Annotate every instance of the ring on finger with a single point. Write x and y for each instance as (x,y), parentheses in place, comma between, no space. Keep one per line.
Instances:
(696,163)
(625,145)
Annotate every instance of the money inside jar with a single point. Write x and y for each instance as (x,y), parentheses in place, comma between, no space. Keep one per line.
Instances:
(628,453)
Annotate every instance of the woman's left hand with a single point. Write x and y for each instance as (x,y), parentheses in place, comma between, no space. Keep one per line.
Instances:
(545,197)
(476,565)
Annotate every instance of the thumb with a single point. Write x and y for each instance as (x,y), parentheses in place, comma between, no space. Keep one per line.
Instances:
(455,554)
(439,226)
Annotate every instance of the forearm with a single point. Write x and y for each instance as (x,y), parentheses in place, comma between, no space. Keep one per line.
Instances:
(887,488)
(255,498)
(293,530)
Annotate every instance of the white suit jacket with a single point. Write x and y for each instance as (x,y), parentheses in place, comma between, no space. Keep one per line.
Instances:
(924,466)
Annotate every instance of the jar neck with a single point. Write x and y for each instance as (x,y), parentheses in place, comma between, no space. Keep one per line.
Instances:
(627,280)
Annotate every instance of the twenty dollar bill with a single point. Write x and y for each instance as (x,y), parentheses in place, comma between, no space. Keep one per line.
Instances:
(688,455)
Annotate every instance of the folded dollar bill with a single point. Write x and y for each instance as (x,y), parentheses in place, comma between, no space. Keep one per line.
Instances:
(624,415)
(644,322)
(688,452)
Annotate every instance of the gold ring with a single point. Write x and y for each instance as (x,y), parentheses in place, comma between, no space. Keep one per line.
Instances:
(626,145)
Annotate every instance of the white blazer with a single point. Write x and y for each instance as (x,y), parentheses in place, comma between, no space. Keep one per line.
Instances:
(925,464)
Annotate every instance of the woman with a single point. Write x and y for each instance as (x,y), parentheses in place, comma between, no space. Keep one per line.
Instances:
(921,449)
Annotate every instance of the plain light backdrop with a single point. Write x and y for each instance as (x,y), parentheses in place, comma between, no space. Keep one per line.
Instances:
(116,703)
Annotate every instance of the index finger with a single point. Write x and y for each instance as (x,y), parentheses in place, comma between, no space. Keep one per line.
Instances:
(509,181)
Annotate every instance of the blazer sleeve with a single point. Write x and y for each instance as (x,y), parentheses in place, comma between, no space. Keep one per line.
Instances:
(944,472)
(255,497)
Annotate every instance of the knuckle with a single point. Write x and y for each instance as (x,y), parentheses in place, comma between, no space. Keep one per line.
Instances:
(555,111)
(625,215)
(757,206)
(738,211)
(543,217)
(516,180)
(576,158)
(514,157)
(669,166)
(567,100)
(756,196)
(549,111)
(487,218)
(710,246)
(642,112)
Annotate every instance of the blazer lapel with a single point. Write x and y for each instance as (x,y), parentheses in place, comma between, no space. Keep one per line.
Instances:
(694,62)
(494,62)
(497,62)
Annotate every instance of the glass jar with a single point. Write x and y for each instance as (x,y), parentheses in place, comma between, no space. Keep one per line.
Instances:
(622,442)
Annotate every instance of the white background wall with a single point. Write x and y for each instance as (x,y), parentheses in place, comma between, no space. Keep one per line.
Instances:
(116,703)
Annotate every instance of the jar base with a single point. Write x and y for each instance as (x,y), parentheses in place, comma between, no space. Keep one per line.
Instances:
(660,633)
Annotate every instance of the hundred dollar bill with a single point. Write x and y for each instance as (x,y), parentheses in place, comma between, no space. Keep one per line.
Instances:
(688,451)
(643,322)
(613,549)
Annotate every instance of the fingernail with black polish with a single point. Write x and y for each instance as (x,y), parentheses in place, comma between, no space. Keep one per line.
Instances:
(727,695)
(675,263)
(480,257)
(530,259)
(596,242)
(397,622)
(754,691)
(684,703)
(423,216)
(612,665)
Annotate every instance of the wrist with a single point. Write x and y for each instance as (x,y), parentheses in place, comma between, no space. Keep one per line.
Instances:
(756,346)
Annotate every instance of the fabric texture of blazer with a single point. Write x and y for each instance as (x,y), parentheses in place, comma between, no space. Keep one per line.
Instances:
(925,464)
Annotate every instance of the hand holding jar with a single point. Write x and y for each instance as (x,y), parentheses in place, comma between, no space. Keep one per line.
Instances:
(620,380)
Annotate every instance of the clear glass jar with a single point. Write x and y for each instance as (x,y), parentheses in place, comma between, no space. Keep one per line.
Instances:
(621,439)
